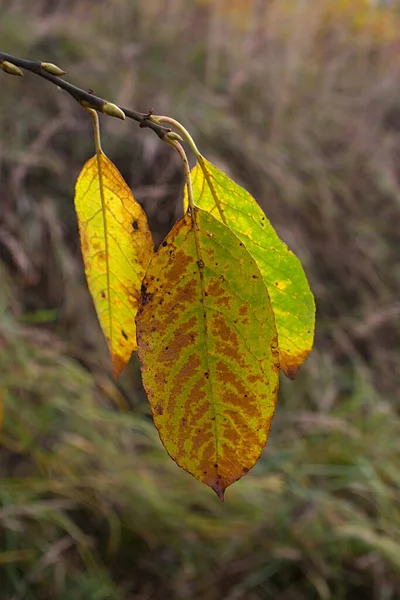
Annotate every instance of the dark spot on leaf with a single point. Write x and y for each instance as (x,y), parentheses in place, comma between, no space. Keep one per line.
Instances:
(145,297)
(206,375)
(124,334)
(158,409)
(103,295)
(200,264)
(216,465)
(241,244)
(245,470)
(164,244)
(255,277)
(135,225)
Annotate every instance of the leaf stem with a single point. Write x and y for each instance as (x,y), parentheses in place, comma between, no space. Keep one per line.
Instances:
(97,138)
(179,148)
(85,99)
(164,119)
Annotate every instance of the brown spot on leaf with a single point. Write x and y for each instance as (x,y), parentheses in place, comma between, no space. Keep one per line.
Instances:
(183,337)
(181,261)
(145,297)
(215,288)
(244,309)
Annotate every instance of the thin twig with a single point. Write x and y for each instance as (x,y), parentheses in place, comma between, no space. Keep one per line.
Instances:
(86,99)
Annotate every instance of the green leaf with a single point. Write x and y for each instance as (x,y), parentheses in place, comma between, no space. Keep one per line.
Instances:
(291,298)
(207,343)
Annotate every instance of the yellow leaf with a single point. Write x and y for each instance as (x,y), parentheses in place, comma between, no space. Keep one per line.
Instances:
(208,349)
(116,246)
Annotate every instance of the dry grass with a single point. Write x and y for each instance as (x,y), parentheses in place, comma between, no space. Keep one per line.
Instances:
(298,101)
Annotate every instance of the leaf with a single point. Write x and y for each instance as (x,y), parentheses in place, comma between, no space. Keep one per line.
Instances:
(116,246)
(208,350)
(291,297)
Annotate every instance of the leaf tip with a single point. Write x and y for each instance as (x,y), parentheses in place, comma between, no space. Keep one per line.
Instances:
(118,363)
(290,364)
(291,371)
(219,489)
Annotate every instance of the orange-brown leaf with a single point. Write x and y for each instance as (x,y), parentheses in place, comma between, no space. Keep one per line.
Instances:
(208,349)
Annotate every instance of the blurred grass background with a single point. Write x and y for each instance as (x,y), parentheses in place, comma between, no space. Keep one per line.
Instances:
(300,102)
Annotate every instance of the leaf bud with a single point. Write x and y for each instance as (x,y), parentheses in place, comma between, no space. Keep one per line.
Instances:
(10,68)
(52,69)
(85,104)
(172,135)
(112,110)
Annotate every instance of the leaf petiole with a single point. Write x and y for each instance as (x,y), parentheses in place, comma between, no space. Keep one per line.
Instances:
(163,119)
(179,148)
(96,124)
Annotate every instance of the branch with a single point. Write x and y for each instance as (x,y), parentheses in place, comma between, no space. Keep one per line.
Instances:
(86,99)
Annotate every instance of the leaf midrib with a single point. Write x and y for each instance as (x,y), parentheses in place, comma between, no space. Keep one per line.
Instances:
(99,157)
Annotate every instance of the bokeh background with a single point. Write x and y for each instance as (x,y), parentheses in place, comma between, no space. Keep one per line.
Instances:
(299,101)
